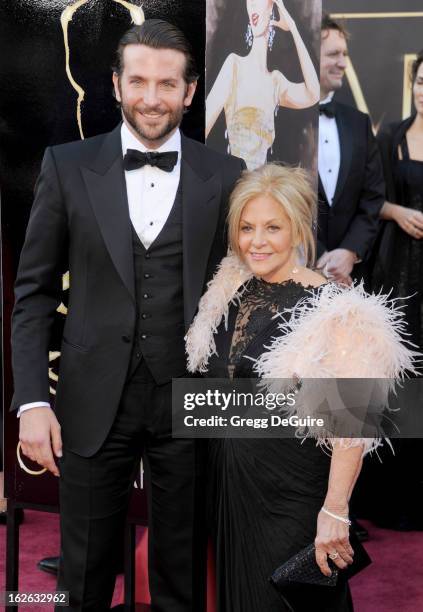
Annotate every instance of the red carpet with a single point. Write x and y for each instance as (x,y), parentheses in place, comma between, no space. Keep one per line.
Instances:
(393,583)
(39,537)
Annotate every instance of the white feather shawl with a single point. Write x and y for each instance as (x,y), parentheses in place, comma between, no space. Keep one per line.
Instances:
(338,332)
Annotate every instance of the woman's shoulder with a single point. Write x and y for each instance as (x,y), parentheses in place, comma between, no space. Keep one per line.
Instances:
(235,59)
(310,278)
(394,130)
(346,308)
(243,64)
(341,331)
(230,63)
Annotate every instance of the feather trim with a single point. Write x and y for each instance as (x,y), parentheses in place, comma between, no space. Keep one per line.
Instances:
(340,332)
(341,322)
(225,287)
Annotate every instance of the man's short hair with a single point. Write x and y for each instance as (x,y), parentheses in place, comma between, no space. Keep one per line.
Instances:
(157,34)
(331,24)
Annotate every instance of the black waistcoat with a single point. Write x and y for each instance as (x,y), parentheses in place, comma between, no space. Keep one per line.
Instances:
(159,332)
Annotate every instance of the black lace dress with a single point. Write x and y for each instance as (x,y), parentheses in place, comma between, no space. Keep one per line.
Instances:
(264,494)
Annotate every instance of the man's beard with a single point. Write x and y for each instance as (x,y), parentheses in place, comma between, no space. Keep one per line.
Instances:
(153,134)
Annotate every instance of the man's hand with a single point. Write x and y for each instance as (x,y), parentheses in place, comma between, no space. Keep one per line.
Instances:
(39,435)
(337,265)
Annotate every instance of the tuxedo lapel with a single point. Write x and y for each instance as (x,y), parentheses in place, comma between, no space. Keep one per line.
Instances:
(345,131)
(201,191)
(105,182)
(321,189)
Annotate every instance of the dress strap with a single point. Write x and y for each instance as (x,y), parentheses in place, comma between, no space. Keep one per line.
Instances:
(231,105)
(404,148)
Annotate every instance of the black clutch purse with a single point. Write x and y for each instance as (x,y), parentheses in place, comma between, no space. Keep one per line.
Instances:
(303,569)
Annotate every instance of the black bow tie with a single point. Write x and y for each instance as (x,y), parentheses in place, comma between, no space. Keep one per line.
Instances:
(134,159)
(328,109)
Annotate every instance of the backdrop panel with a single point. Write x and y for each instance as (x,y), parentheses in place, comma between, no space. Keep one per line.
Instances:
(245,115)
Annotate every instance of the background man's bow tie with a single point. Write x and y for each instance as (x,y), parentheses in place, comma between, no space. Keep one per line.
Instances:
(134,159)
(328,109)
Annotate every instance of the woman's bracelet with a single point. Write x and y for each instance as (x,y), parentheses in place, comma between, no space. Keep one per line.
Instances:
(344,519)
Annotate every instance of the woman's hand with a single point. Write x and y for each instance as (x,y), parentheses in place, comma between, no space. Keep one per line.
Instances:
(332,538)
(285,21)
(409,220)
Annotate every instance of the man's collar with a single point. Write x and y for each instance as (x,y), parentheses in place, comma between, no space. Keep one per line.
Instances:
(328,98)
(129,141)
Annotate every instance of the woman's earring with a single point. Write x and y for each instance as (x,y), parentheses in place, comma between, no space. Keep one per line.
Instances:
(271,32)
(249,36)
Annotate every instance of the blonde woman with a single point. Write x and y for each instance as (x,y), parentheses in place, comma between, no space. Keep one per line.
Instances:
(250,94)
(270,498)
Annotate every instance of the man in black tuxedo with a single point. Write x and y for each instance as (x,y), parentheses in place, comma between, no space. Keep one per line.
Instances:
(351,187)
(137,216)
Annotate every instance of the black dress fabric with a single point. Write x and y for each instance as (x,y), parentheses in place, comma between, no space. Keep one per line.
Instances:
(390,492)
(403,273)
(264,494)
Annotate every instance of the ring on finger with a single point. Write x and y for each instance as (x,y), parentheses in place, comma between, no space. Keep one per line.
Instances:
(333,555)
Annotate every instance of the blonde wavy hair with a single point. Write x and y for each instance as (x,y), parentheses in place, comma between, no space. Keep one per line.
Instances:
(291,188)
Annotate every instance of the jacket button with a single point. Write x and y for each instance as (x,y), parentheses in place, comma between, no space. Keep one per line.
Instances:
(144,315)
(145,296)
(126,338)
(147,255)
(143,336)
(146,275)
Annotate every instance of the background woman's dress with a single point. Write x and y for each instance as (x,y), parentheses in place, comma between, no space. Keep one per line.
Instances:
(265,494)
(390,492)
(403,267)
(250,130)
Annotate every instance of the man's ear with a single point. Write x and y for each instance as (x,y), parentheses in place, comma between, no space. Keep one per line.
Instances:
(191,87)
(115,78)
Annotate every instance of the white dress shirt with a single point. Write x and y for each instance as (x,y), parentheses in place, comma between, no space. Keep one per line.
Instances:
(151,194)
(329,154)
(151,191)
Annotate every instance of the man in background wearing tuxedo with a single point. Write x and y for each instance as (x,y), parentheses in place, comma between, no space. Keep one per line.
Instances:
(351,185)
(137,217)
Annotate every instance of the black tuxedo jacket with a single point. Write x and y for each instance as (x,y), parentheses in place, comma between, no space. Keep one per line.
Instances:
(80,222)
(352,220)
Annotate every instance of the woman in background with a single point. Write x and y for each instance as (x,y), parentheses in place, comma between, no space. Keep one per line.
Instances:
(400,259)
(250,94)
(396,485)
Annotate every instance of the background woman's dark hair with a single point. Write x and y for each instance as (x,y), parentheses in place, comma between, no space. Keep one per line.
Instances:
(331,24)
(416,65)
(157,34)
